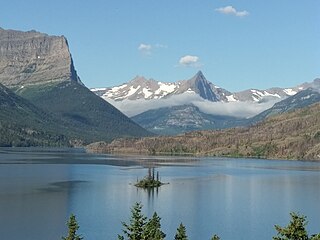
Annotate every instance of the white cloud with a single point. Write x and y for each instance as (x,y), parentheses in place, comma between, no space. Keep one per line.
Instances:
(232,11)
(145,48)
(236,109)
(190,61)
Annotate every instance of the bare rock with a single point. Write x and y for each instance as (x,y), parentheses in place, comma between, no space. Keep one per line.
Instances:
(28,58)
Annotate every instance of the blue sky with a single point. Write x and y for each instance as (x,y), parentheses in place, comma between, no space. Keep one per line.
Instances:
(237,44)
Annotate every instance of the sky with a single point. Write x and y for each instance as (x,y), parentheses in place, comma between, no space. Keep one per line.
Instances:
(237,44)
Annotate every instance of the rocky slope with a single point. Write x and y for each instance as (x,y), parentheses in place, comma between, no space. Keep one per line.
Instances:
(184,118)
(31,57)
(293,135)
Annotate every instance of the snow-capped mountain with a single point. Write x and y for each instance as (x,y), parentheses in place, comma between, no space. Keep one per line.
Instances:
(150,89)
(142,88)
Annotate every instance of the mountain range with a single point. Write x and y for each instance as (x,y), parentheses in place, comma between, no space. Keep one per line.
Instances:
(39,80)
(198,104)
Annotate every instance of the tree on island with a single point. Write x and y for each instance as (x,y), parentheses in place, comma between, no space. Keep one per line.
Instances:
(149,181)
(73,228)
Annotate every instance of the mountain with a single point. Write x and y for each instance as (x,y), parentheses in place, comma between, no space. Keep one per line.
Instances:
(302,99)
(28,58)
(148,89)
(88,116)
(23,124)
(39,68)
(184,118)
(161,107)
(292,135)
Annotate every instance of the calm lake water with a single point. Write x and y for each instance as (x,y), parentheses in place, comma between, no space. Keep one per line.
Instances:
(234,198)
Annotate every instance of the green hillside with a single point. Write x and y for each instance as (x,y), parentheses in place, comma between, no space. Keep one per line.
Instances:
(23,124)
(85,116)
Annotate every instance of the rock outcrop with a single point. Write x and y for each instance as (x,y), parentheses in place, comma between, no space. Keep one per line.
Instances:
(28,58)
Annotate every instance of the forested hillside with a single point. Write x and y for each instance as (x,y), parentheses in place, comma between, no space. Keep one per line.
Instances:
(293,135)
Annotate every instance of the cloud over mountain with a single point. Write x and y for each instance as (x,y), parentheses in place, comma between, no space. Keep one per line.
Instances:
(190,61)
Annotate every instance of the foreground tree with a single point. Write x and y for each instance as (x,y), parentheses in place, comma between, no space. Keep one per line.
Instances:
(73,228)
(295,230)
(135,229)
(181,233)
(153,229)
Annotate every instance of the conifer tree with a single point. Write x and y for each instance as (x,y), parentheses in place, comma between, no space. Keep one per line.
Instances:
(181,233)
(215,237)
(153,229)
(73,228)
(295,229)
(135,229)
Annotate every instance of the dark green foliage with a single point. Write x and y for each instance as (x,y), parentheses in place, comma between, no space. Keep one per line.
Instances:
(73,228)
(135,229)
(149,181)
(215,237)
(59,115)
(181,233)
(153,229)
(315,237)
(295,230)
(85,115)
(22,124)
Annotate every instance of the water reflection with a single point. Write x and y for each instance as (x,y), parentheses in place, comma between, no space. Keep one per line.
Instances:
(39,189)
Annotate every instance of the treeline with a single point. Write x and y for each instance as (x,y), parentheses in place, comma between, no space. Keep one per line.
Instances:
(142,228)
(293,135)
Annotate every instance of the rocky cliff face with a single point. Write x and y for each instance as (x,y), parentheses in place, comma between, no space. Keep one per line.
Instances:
(28,58)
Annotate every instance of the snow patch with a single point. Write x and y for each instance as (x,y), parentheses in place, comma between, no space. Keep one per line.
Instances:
(231,98)
(131,91)
(290,91)
(147,93)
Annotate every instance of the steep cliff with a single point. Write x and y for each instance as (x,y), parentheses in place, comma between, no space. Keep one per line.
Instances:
(28,58)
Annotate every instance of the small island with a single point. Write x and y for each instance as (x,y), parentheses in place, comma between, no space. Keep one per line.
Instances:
(149,181)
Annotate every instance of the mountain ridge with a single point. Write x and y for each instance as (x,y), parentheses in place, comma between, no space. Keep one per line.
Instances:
(39,68)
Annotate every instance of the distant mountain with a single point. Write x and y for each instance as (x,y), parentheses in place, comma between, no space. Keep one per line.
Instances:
(40,68)
(292,135)
(302,99)
(185,118)
(150,89)
(142,88)
(165,108)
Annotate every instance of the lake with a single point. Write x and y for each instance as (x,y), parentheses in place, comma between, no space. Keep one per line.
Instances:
(234,198)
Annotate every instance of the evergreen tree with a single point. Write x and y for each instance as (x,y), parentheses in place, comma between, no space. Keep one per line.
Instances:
(73,227)
(181,233)
(215,237)
(153,229)
(295,229)
(134,230)
(315,237)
